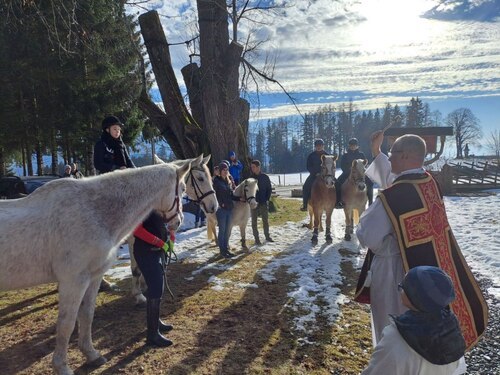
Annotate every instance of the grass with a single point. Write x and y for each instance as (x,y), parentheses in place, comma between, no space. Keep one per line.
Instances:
(237,330)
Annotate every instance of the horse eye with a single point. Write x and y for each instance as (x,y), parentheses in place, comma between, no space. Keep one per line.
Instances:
(200,179)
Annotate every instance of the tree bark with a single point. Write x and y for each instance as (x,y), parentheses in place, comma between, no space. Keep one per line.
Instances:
(180,120)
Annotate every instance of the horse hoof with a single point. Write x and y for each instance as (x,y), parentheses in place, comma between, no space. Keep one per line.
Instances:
(328,238)
(99,361)
(347,237)
(314,240)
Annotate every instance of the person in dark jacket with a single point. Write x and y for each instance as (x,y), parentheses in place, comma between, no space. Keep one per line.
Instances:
(151,239)
(262,197)
(67,171)
(346,160)
(110,153)
(224,193)
(314,168)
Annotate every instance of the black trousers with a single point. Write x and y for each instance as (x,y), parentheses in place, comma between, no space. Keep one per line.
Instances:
(341,180)
(306,189)
(149,262)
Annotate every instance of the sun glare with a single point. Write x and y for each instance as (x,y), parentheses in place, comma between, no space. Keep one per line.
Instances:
(393,24)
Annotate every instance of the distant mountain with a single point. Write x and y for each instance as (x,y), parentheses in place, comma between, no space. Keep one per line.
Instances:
(465,10)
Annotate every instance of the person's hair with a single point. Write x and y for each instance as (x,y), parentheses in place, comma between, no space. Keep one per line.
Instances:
(414,145)
(256,163)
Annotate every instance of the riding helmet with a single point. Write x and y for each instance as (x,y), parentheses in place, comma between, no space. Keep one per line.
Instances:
(110,121)
(319,142)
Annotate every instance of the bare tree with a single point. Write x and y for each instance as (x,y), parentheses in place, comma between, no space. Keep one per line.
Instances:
(493,143)
(466,127)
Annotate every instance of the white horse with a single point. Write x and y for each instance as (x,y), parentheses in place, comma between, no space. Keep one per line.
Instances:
(200,190)
(241,211)
(41,241)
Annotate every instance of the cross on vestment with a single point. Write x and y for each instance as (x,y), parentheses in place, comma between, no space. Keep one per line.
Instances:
(430,224)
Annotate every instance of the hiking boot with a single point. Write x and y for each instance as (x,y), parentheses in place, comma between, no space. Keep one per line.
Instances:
(339,205)
(303,208)
(105,286)
(257,242)
(269,239)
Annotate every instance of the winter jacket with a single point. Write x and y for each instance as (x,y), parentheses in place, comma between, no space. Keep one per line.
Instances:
(314,162)
(111,154)
(154,225)
(235,171)
(224,193)
(265,189)
(347,159)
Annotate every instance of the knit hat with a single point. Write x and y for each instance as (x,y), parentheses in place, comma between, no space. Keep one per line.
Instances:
(223,165)
(428,288)
(353,141)
(319,142)
(110,121)
(231,154)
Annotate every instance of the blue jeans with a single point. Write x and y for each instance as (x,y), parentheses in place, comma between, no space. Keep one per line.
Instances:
(223,219)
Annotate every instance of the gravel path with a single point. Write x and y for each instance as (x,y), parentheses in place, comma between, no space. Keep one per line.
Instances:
(484,358)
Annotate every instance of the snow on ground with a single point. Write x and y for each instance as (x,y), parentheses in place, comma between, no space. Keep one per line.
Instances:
(316,268)
(474,220)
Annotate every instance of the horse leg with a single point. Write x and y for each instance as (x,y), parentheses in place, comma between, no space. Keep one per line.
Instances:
(348,225)
(243,236)
(70,297)
(137,278)
(328,236)
(85,318)
(317,222)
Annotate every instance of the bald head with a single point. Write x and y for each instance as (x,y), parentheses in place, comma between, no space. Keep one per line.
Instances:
(407,152)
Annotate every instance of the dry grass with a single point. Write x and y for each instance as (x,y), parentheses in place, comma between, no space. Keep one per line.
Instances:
(236,330)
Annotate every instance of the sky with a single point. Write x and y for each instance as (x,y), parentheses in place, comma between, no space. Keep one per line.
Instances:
(373,51)
(316,269)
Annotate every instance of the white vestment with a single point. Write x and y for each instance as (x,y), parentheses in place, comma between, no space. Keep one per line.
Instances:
(376,232)
(394,356)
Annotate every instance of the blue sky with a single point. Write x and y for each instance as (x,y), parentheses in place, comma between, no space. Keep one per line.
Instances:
(374,51)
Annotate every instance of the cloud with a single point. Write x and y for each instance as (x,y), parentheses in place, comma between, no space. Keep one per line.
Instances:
(477,10)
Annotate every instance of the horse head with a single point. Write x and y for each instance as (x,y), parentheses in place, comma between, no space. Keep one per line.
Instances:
(328,167)
(358,174)
(173,216)
(198,180)
(248,189)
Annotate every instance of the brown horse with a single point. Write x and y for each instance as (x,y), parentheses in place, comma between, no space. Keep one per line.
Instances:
(354,196)
(323,197)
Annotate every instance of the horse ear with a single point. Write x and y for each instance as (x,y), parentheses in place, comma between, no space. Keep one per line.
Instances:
(206,159)
(158,160)
(197,161)
(335,157)
(183,169)
(365,162)
(322,157)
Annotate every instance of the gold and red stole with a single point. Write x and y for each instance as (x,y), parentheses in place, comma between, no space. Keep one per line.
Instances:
(415,207)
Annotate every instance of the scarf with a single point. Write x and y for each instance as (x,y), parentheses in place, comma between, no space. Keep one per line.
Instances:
(436,336)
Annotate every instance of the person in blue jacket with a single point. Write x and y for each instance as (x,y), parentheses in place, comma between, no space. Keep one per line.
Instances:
(235,167)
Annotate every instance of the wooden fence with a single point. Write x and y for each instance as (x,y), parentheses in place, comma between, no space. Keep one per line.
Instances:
(467,176)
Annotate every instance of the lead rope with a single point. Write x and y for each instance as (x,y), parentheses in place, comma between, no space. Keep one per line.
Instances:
(165,262)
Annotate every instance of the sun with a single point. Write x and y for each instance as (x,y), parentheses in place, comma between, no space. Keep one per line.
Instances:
(393,24)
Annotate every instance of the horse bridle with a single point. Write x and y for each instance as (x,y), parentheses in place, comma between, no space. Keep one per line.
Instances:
(247,199)
(200,195)
(176,202)
(323,176)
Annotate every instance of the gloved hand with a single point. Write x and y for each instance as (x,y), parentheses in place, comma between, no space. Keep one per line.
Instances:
(169,245)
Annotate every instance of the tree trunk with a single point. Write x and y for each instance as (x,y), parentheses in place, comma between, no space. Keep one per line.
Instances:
(180,122)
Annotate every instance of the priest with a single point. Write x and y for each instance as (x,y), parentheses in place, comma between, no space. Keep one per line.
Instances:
(407,227)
